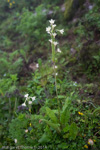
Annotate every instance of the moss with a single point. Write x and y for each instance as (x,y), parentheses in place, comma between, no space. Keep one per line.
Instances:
(71,6)
(68,10)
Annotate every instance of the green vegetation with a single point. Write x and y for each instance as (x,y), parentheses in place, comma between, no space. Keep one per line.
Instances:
(50,74)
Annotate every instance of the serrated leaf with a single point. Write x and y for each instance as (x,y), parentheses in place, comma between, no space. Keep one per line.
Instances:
(66,136)
(44,139)
(55,126)
(63,146)
(66,129)
(65,115)
(73,131)
(66,104)
(51,115)
(97,110)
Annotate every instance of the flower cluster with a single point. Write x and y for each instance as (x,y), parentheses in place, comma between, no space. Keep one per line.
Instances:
(90,142)
(80,113)
(10,3)
(37,65)
(28,99)
(15,140)
(75,83)
(85,146)
(51,30)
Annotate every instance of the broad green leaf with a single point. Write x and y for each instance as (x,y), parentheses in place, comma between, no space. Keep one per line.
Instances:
(66,129)
(51,115)
(65,115)
(97,110)
(66,136)
(66,104)
(63,146)
(55,126)
(73,131)
(45,138)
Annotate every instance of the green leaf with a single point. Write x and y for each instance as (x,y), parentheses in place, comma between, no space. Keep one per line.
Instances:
(51,115)
(55,126)
(66,129)
(61,96)
(73,131)
(97,110)
(65,115)
(45,138)
(66,104)
(66,136)
(63,146)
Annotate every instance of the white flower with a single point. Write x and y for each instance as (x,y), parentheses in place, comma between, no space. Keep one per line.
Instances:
(37,65)
(15,140)
(51,21)
(58,50)
(56,67)
(56,74)
(33,98)
(55,43)
(4,75)
(75,83)
(30,102)
(48,29)
(54,34)
(53,26)
(50,41)
(26,130)
(26,95)
(24,104)
(61,31)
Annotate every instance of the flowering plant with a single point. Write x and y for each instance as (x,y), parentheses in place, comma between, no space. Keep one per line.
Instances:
(52,31)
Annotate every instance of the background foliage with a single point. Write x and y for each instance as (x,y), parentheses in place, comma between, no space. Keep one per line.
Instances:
(23,44)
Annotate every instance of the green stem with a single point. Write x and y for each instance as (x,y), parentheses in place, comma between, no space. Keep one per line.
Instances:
(9,108)
(15,104)
(57,93)
(53,60)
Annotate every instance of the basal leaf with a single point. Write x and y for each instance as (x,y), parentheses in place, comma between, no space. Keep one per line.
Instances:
(51,115)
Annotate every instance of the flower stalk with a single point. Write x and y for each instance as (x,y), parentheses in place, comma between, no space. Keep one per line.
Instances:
(53,32)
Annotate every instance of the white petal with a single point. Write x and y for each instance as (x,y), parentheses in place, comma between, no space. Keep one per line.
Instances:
(55,43)
(37,65)
(56,67)
(54,34)
(26,95)
(23,104)
(15,140)
(51,41)
(54,25)
(58,50)
(61,31)
(33,98)
(51,21)
(30,102)
(48,29)
(26,130)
